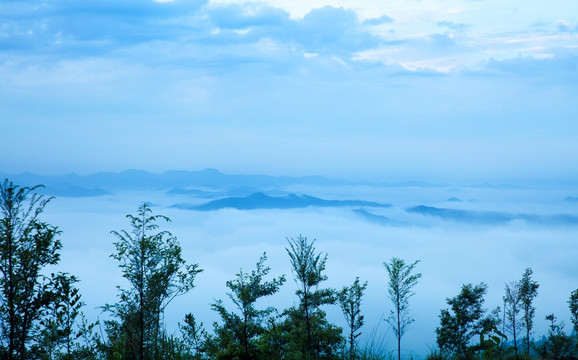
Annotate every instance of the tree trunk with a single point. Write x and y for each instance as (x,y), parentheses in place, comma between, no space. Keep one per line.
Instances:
(527,340)
(246,337)
(514,333)
(308,323)
(398,329)
(11,312)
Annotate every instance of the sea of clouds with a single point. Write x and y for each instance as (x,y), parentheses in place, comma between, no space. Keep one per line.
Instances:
(451,252)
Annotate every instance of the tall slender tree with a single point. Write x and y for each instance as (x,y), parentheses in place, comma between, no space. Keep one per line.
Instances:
(350,302)
(308,267)
(27,246)
(512,302)
(151,261)
(528,291)
(573,304)
(400,285)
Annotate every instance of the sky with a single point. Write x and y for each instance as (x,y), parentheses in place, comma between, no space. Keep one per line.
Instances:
(364,89)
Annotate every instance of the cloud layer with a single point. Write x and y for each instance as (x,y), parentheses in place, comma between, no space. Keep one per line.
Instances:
(180,84)
(452,253)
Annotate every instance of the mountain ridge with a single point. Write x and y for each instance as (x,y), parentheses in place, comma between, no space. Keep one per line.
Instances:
(133,179)
(260,200)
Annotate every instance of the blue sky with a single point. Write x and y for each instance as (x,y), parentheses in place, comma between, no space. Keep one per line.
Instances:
(443,90)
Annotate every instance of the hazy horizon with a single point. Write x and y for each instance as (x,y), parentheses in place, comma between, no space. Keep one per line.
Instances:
(389,179)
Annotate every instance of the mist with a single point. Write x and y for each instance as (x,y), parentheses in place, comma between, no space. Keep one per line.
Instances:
(451,251)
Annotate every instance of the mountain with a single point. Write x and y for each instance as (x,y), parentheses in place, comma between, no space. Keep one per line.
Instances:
(261,201)
(492,217)
(144,180)
(183,180)
(378,219)
(235,191)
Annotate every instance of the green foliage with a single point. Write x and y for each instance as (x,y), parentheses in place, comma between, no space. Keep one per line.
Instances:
(435,355)
(194,338)
(558,345)
(61,330)
(573,304)
(350,302)
(401,282)
(151,262)
(308,268)
(274,343)
(528,291)
(27,246)
(324,341)
(490,345)
(463,320)
(309,330)
(238,335)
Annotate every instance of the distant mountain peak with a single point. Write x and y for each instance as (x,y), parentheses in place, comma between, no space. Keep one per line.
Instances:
(260,200)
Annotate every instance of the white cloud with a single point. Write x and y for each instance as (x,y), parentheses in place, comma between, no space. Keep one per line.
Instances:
(224,241)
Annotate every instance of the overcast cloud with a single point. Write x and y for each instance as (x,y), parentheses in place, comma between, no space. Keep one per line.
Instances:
(383,89)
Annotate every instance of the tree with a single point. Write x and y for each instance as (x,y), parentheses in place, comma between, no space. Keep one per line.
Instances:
(512,302)
(401,282)
(58,334)
(573,304)
(326,338)
(63,323)
(491,345)
(27,246)
(241,330)
(528,291)
(558,345)
(194,337)
(152,264)
(350,302)
(308,320)
(463,320)
(274,343)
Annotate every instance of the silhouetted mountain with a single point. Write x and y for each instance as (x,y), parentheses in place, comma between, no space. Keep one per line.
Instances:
(454,199)
(571,199)
(262,201)
(183,180)
(378,219)
(493,218)
(143,180)
(234,192)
